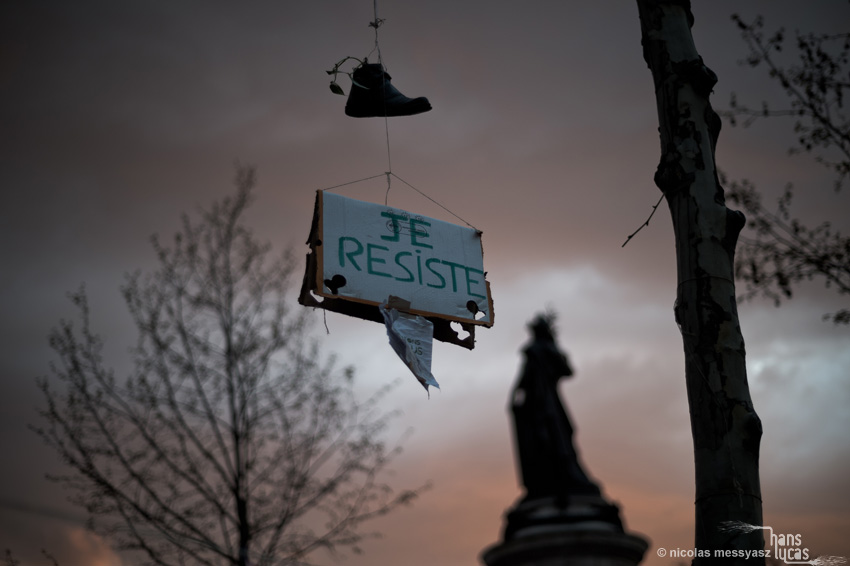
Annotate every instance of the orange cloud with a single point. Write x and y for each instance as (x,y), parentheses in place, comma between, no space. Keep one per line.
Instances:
(91,549)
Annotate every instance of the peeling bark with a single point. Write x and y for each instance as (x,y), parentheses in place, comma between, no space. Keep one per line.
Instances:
(725,427)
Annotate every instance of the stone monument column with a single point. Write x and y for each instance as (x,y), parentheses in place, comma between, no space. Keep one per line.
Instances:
(563,519)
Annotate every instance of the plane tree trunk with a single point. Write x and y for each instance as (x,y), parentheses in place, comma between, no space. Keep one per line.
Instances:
(726,430)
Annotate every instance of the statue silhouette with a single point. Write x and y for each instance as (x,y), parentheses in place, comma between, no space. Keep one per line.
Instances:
(544,434)
(558,491)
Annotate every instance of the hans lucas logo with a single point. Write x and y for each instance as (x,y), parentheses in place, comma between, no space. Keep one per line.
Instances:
(787,547)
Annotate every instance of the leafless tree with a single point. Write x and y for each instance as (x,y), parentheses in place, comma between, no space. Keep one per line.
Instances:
(779,250)
(233,441)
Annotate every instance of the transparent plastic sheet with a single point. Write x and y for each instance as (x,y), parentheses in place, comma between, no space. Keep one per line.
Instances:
(412,338)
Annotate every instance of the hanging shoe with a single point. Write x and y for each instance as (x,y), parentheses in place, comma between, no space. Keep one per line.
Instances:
(372,95)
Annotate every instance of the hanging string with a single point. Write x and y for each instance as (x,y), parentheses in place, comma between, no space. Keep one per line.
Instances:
(376,23)
(387,132)
(434,201)
(353,182)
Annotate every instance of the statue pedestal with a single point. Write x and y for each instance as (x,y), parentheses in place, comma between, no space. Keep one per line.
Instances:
(568,548)
(587,532)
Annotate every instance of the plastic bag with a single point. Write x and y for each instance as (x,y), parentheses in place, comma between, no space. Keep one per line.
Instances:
(412,338)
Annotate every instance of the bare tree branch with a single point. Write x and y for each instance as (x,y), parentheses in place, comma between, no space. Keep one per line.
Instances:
(779,251)
(233,440)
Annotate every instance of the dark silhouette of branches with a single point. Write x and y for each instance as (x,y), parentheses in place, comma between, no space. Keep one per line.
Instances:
(779,251)
(233,441)
(815,88)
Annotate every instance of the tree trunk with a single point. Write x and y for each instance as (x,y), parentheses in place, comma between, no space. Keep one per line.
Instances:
(724,424)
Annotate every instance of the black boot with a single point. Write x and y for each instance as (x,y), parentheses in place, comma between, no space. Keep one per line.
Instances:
(372,95)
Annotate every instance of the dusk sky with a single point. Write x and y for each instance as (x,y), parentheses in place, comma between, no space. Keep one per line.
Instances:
(116,117)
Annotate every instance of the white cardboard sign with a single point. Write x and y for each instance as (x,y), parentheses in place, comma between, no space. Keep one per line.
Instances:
(370,252)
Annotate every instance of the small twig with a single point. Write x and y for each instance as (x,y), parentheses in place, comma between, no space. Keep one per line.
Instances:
(645,224)
(50,557)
